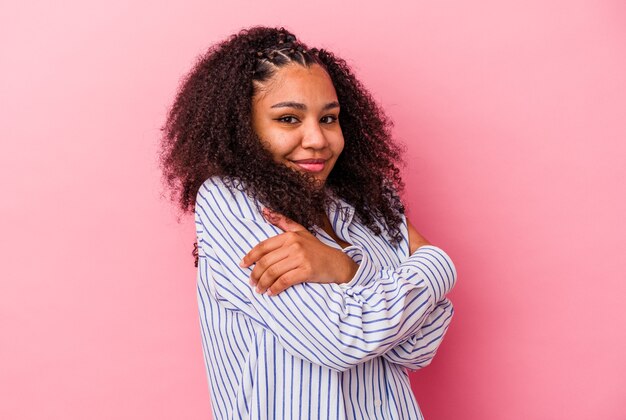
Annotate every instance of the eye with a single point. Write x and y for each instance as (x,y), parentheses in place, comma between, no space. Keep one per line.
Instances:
(289,119)
(329,119)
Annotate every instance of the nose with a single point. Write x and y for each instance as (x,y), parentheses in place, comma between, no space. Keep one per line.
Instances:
(313,136)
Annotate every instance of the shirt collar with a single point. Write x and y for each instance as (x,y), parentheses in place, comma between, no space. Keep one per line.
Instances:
(343,208)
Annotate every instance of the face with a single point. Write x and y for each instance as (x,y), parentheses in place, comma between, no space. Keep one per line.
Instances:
(295,114)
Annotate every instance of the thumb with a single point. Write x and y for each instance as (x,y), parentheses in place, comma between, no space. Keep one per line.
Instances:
(283,222)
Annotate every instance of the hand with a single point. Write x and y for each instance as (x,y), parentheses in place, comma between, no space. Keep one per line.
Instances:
(293,257)
(415,239)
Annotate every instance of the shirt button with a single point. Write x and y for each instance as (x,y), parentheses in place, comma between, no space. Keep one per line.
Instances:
(377,403)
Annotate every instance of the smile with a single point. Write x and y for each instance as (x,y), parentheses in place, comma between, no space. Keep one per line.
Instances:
(311,165)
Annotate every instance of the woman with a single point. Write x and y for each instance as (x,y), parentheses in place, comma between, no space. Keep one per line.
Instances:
(315,292)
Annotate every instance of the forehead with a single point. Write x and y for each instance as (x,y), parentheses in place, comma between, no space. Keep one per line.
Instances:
(295,82)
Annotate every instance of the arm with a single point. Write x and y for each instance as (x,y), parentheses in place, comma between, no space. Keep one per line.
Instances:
(269,255)
(414,352)
(338,326)
(415,239)
(419,350)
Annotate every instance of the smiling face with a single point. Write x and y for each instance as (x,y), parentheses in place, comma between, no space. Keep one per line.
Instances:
(295,113)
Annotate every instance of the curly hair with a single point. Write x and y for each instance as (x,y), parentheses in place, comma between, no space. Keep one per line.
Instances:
(209,132)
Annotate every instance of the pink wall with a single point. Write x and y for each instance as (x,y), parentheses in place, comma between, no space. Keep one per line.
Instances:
(515,120)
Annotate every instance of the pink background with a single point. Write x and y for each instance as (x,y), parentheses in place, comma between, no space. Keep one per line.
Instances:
(514,116)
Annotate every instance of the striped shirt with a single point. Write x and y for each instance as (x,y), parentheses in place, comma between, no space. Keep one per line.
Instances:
(315,351)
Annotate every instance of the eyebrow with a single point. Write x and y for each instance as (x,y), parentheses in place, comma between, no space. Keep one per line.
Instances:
(302,107)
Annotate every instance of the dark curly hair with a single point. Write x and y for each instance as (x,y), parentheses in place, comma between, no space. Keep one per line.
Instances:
(209,132)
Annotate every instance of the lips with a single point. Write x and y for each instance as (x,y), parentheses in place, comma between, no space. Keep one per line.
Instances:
(311,165)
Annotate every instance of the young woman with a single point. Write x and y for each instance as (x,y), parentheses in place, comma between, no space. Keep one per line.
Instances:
(315,292)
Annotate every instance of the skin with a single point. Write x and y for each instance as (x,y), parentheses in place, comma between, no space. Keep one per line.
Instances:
(295,113)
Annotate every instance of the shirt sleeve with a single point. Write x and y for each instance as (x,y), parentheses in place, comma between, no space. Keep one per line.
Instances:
(337,326)
(419,350)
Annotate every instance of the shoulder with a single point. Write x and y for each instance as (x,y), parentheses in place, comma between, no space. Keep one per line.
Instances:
(211,185)
(224,195)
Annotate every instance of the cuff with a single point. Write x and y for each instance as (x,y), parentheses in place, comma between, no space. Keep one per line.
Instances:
(436,267)
(363,273)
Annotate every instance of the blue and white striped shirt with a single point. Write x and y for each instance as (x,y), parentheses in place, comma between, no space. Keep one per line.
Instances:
(315,351)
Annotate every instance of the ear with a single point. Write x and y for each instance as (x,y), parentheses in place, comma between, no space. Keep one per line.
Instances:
(281,221)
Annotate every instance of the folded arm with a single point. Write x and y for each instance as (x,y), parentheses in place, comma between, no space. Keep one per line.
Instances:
(338,326)
(419,350)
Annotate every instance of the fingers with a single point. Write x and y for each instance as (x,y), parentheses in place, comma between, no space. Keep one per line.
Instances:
(276,258)
(285,281)
(280,221)
(266,263)
(277,277)
(268,245)
(261,249)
